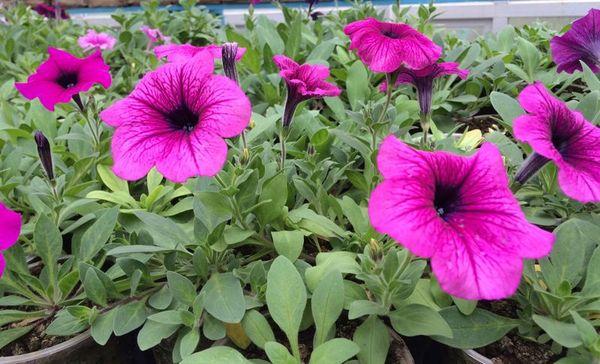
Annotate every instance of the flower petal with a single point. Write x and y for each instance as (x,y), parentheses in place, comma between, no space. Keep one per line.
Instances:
(10,227)
(580,43)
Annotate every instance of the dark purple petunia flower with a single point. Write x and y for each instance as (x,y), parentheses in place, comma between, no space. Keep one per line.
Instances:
(50,11)
(580,43)
(459,212)
(559,134)
(422,80)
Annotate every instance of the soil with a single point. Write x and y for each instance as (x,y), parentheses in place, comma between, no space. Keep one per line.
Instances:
(512,348)
(33,341)
(344,329)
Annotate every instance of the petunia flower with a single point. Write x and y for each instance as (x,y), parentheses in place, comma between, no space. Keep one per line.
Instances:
(63,76)
(50,11)
(154,35)
(93,40)
(422,80)
(176,119)
(385,47)
(304,82)
(185,52)
(563,136)
(580,43)
(10,228)
(459,212)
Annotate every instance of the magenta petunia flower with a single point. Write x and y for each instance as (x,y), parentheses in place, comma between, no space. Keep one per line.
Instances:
(176,119)
(93,40)
(385,47)
(50,11)
(304,82)
(459,212)
(63,76)
(184,52)
(422,80)
(154,34)
(580,43)
(559,134)
(10,228)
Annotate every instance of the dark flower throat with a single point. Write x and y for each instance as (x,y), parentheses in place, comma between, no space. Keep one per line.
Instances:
(390,34)
(445,200)
(67,80)
(183,118)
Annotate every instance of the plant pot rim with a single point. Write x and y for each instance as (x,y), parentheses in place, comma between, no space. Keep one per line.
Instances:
(476,357)
(33,357)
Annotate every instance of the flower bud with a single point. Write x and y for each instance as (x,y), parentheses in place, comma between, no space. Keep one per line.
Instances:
(43,147)
(375,249)
(228,55)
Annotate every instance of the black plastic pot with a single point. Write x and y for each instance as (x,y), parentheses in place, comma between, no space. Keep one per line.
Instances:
(473,357)
(63,352)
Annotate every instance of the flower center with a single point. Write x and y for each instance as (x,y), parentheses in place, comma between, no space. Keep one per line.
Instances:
(183,118)
(390,34)
(67,80)
(445,200)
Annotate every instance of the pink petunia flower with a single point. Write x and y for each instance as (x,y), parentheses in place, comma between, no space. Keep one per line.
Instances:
(184,52)
(459,212)
(422,80)
(63,76)
(154,34)
(93,40)
(385,47)
(580,43)
(559,134)
(10,228)
(50,12)
(304,82)
(176,119)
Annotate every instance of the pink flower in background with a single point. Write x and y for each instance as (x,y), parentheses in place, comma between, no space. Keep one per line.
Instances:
(184,52)
(580,43)
(63,76)
(93,40)
(10,228)
(254,2)
(176,119)
(154,35)
(50,11)
(304,82)
(559,134)
(459,212)
(385,47)
(422,80)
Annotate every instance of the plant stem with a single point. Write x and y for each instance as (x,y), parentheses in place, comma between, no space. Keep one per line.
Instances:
(388,96)
(425,127)
(283,150)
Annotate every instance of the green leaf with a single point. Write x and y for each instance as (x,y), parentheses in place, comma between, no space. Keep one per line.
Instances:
(165,232)
(216,355)
(234,234)
(9,335)
(355,214)
(212,209)
(479,329)
(169,317)
(102,327)
(373,340)
(48,244)
(590,78)
(224,298)
(181,288)
(268,35)
(152,333)
(94,289)
(413,320)
(327,304)
(96,236)
(189,341)
(565,334)
(288,243)
(257,328)
(66,324)
(286,297)
(335,351)
(276,191)
(161,299)
(279,354)
(361,308)
(586,330)
(343,262)
(506,106)
(575,240)
(592,277)
(466,307)
(357,85)
(110,180)
(129,317)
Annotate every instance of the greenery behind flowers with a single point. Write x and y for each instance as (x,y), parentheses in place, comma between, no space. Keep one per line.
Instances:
(193,262)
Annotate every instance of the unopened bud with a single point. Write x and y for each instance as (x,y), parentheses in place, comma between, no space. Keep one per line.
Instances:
(43,147)
(376,253)
(229,56)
